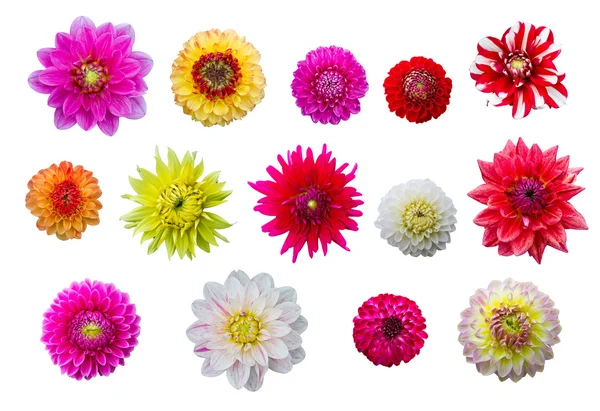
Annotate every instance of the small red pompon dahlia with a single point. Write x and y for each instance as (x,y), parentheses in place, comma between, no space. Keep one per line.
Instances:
(527,193)
(389,329)
(90,329)
(417,90)
(310,200)
(518,70)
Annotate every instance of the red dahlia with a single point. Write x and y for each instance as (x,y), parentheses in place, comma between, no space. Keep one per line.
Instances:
(518,70)
(418,89)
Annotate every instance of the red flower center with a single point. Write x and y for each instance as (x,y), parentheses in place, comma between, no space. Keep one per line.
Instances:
(330,85)
(529,196)
(510,327)
(518,65)
(312,205)
(419,86)
(66,198)
(90,77)
(216,75)
(91,330)
(391,327)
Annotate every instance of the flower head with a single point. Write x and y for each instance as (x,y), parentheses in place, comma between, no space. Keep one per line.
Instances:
(93,76)
(90,329)
(309,200)
(216,77)
(509,330)
(527,193)
(173,206)
(328,85)
(389,329)
(418,89)
(518,70)
(246,327)
(64,199)
(416,217)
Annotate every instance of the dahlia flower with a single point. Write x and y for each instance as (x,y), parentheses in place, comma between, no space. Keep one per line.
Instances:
(417,90)
(93,76)
(173,206)
(518,70)
(246,327)
(216,77)
(509,330)
(389,329)
(328,85)
(90,329)
(416,217)
(310,201)
(527,195)
(64,199)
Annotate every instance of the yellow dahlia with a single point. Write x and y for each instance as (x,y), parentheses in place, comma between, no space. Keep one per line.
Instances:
(64,199)
(216,77)
(173,206)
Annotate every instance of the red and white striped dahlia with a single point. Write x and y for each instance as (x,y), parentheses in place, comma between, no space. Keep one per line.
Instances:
(527,193)
(518,70)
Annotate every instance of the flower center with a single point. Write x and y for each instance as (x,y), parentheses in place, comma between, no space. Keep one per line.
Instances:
(312,205)
(91,330)
(529,196)
(66,198)
(419,86)
(244,328)
(420,216)
(90,77)
(216,75)
(391,327)
(510,327)
(180,205)
(518,65)
(330,85)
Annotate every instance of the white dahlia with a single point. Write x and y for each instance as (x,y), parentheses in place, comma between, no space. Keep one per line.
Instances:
(416,217)
(246,327)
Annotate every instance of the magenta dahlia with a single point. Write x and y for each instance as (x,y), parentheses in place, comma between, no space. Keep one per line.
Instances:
(310,200)
(518,70)
(389,329)
(90,329)
(93,76)
(328,84)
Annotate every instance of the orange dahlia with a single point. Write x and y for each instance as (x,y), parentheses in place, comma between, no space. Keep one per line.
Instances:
(64,199)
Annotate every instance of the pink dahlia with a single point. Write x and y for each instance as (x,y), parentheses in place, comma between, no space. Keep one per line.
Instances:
(328,84)
(527,193)
(309,200)
(90,329)
(93,76)
(518,70)
(389,329)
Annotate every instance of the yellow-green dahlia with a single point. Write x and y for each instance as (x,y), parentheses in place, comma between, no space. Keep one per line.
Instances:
(509,330)
(173,204)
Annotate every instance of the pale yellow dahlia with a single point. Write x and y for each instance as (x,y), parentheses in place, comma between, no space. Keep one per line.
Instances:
(216,77)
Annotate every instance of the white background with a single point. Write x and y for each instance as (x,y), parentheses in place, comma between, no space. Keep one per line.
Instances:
(163,372)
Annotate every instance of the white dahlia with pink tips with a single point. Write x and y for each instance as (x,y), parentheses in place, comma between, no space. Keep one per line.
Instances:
(518,70)
(246,327)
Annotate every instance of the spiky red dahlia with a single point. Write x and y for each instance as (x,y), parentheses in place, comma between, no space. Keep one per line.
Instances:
(518,70)
(310,200)
(527,193)
(418,89)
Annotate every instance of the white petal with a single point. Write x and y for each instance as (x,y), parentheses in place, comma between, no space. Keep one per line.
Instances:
(525,36)
(275,348)
(538,99)
(200,305)
(282,366)
(555,95)
(289,312)
(271,298)
(299,325)
(257,376)
(258,306)
(297,355)
(277,329)
(292,340)
(202,351)
(238,375)
(250,293)
(241,276)
(271,314)
(554,47)
(287,294)
(259,353)
(264,282)
(214,293)
(209,371)
(221,360)
(198,331)
(234,290)
(520,111)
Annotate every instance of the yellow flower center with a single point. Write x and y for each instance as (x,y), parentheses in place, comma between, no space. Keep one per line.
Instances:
(180,205)
(244,328)
(312,204)
(517,63)
(91,330)
(91,76)
(511,325)
(420,216)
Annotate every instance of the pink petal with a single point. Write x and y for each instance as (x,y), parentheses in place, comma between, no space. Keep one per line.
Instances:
(85,119)
(138,108)
(71,104)
(130,67)
(79,24)
(124,43)
(104,45)
(54,77)
(37,85)
(125,87)
(58,96)
(109,125)
(145,62)
(98,107)
(63,41)
(63,122)
(120,105)
(43,56)
(124,30)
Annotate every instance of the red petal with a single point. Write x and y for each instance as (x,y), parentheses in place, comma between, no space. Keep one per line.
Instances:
(509,229)
(487,217)
(483,192)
